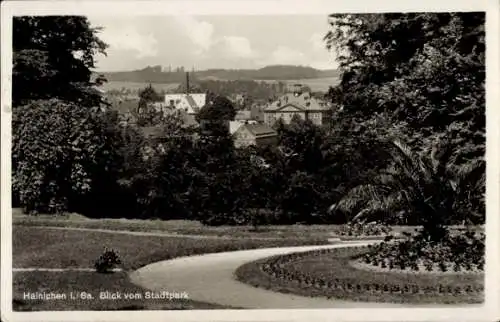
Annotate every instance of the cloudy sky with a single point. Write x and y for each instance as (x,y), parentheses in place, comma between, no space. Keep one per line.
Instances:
(213,41)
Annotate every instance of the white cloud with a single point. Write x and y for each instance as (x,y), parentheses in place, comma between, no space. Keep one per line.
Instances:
(199,32)
(317,42)
(286,55)
(328,64)
(206,42)
(238,47)
(129,38)
(289,56)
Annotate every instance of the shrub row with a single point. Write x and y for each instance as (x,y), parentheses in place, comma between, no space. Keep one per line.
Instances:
(276,268)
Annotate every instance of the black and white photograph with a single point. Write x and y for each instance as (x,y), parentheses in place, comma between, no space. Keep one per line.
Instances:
(242,162)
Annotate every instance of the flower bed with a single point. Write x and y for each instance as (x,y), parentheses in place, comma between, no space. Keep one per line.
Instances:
(462,252)
(328,273)
(364,229)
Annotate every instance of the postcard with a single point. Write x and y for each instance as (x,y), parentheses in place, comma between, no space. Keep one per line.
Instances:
(250,160)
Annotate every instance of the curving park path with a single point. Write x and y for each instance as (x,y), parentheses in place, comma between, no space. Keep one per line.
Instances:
(209,278)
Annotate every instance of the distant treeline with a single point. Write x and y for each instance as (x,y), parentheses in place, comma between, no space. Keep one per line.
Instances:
(154,74)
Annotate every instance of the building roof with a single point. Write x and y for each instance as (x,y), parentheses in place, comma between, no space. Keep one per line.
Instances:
(302,101)
(190,102)
(259,129)
(234,126)
(243,115)
(188,119)
(154,131)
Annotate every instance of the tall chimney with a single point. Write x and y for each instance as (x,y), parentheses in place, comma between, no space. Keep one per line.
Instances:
(187,82)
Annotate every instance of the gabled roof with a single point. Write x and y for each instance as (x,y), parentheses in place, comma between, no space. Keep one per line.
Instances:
(243,115)
(259,129)
(191,102)
(303,101)
(234,126)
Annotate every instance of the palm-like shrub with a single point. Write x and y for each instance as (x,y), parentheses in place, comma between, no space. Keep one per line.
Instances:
(421,189)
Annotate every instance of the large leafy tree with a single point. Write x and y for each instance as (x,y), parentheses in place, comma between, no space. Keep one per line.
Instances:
(146,96)
(301,197)
(162,170)
(64,152)
(61,154)
(417,78)
(423,70)
(149,94)
(217,108)
(53,57)
(304,139)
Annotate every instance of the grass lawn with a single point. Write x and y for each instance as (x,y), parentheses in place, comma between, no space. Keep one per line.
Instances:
(45,248)
(175,226)
(184,227)
(335,266)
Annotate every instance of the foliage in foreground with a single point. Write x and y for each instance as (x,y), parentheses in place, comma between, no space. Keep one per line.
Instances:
(464,251)
(424,71)
(52,58)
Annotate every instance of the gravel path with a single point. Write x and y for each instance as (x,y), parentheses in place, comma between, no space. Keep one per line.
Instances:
(210,278)
(59,270)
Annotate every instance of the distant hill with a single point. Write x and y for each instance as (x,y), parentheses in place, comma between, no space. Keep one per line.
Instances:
(154,74)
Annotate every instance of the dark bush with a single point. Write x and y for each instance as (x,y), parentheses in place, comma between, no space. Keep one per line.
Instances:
(107,261)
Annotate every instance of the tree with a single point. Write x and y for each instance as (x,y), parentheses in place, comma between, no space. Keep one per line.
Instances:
(149,95)
(252,183)
(280,127)
(60,150)
(217,108)
(162,179)
(423,70)
(301,197)
(416,78)
(65,146)
(53,58)
(305,140)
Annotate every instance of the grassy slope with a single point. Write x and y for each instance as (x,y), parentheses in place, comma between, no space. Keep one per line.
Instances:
(39,247)
(181,226)
(186,227)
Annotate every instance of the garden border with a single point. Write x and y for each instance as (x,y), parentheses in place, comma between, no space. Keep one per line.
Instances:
(275,267)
